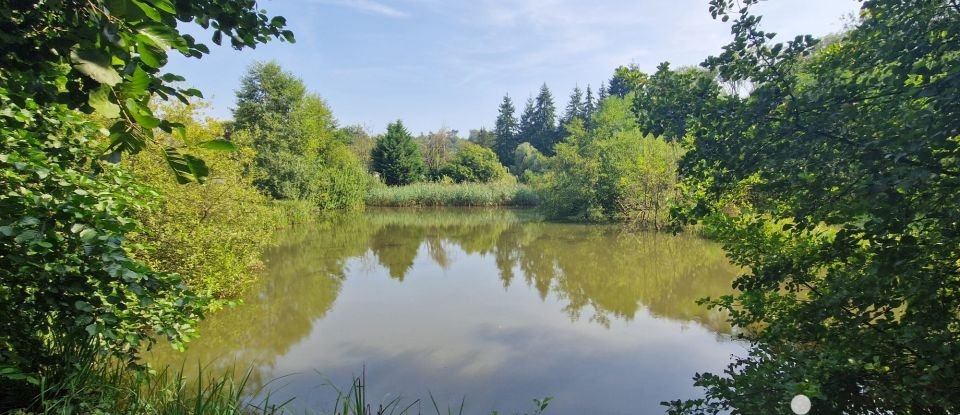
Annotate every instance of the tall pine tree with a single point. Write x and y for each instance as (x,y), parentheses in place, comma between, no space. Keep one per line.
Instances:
(541,129)
(589,107)
(506,131)
(525,130)
(602,94)
(575,108)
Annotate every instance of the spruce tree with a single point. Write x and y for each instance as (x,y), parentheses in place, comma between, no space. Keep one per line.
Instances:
(602,94)
(526,130)
(506,131)
(589,107)
(575,108)
(544,123)
(396,156)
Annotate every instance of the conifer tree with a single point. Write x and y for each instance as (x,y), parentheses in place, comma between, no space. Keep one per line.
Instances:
(525,130)
(397,157)
(602,93)
(589,106)
(506,131)
(575,107)
(541,128)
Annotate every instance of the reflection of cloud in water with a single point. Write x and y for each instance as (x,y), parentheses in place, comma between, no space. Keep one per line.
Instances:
(483,302)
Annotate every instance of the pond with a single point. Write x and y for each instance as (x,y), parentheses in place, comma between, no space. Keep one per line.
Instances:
(487,305)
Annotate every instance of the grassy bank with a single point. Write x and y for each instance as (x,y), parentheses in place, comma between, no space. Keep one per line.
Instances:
(102,386)
(463,194)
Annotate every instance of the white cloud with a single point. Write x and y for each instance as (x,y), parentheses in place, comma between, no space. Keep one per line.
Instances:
(368,6)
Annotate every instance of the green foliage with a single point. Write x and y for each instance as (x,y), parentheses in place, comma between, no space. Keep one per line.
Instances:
(529,162)
(575,109)
(538,123)
(626,79)
(299,153)
(484,137)
(464,194)
(397,158)
(211,233)
(835,182)
(66,271)
(611,173)
(666,102)
(589,107)
(108,56)
(476,164)
(360,143)
(507,131)
(437,149)
(104,386)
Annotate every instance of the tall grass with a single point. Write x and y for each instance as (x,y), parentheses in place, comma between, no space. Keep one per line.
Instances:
(287,213)
(354,401)
(113,388)
(462,194)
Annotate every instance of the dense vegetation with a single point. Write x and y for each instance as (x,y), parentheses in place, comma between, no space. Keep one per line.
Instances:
(298,154)
(611,171)
(213,233)
(834,179)
(828,169)
(75,286)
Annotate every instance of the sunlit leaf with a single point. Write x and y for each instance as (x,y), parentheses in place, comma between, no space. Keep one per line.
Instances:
(218,145)
(95,64)
(99,100)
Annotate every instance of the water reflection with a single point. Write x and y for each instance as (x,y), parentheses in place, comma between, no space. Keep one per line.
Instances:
(488,302)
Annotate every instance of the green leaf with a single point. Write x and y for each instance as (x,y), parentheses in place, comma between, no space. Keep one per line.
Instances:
(99,100)
(164,5)
(95,64)
(150,54)
(83,306)
(185,167)
(198,167)
(192,92)
(161,36)
(148,10)
(218,144)
(88,234)
(142,114)
(137,83)
(125,141)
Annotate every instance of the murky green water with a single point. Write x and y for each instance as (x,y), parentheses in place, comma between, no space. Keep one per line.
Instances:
(487,304)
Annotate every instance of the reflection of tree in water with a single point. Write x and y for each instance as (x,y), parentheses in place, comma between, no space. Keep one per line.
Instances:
(589,267)
(302,278)
(598,268)
(393,247)
(615,273)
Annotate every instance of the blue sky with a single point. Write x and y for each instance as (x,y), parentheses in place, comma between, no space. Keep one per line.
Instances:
(448,63)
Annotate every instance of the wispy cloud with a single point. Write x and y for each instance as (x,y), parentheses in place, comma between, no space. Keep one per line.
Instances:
(368,6)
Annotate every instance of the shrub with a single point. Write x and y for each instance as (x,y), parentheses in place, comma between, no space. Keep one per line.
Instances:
(211,233)
(612,172)
(475,164)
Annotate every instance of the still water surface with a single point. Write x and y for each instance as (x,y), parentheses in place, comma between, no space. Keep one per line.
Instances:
(490,305)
